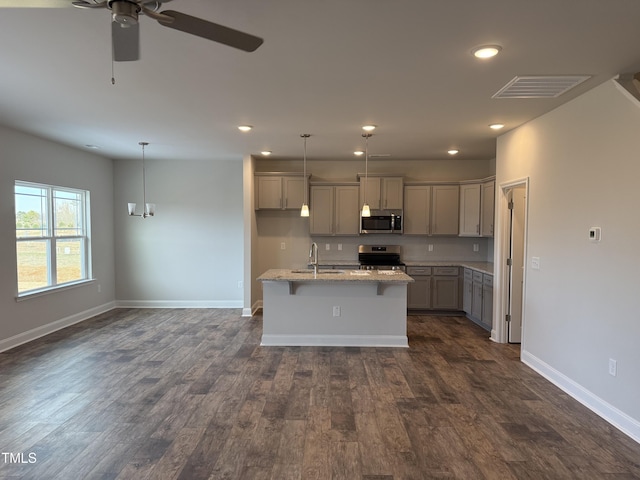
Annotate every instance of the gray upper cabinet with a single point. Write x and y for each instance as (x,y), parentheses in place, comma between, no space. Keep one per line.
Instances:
(334,210)
(417,210)
(279,191)
(431,209)
(382,193)
(487,208)
(470,210)
(445,209)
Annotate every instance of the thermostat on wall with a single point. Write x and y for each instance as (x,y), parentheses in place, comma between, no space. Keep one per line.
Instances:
(594,234)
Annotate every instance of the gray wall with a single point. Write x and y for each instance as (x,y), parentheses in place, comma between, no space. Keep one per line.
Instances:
(191,253)
(582,304)
(28,158)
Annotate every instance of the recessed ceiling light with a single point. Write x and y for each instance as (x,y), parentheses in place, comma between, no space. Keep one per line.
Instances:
(358,153)
(244,128)
(368,128)
(496,126)
(452,151)
(486,51)
(266,153)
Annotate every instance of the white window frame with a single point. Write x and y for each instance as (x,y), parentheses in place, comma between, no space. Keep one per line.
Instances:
(51,240)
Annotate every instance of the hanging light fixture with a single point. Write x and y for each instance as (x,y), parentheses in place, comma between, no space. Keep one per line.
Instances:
(149,208)
(366,211)
(304,211)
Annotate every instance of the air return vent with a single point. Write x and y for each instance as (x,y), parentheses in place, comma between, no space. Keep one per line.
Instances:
(540,86)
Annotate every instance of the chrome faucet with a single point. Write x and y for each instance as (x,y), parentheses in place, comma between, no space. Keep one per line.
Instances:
(313,257)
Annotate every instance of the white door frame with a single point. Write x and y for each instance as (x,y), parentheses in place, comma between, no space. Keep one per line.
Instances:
(499,332)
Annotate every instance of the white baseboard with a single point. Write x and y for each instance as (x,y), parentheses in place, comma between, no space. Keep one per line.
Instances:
(179,303)
(36,333)
(334,341)
(620,420)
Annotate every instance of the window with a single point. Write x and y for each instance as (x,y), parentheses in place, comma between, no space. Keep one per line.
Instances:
(52,237)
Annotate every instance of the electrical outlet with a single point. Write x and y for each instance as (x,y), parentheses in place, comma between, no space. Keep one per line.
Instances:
(283,246)
(339,247)
(476,247)
(613,366)
(430,248)
(336,310)
(240,284)
(327,246)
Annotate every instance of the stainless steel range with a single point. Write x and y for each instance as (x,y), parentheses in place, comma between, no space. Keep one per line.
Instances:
(380,257)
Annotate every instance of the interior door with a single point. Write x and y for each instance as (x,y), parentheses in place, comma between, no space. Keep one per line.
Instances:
(516,254)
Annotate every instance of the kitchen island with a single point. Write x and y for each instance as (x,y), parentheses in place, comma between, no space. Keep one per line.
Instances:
(335,308)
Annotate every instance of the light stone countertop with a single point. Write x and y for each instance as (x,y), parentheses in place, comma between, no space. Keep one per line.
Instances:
(483,267)
(324,276)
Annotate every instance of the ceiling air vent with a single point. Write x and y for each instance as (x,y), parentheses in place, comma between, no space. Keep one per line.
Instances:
(540,86)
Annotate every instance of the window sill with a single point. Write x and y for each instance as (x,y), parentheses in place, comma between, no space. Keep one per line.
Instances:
(58,288)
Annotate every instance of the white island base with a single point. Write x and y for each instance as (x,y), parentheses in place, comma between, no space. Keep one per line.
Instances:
(335,313)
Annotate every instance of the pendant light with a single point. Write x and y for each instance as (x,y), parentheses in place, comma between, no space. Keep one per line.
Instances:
(304,211)
(366,211)
(149,208)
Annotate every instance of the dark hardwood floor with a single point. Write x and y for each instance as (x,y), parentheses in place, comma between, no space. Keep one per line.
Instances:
(190,394)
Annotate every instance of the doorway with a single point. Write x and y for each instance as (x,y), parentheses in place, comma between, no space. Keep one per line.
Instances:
(509,322)
(517,200)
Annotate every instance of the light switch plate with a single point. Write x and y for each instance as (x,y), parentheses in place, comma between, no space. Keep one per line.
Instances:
(535,263)
(595,234)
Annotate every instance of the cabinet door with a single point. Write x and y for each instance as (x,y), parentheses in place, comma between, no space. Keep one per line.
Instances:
(347,210)
(269,193)
(487,305)
(445,293)
(372,192)
(445,209)
(467,294)
(322,208)
(419,293)
(488,208)
(417,203)
(470,210)
(293,192)
(392,193)
(476,300)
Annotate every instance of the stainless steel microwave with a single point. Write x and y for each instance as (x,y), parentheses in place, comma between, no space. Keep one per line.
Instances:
(382,221)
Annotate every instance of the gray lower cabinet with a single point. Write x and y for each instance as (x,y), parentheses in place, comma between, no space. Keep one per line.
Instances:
(419,291)
(477,297)
(434,288)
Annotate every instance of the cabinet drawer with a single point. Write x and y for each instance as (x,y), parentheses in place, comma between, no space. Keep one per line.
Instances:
(418,271)
(488,280)
(449,271)
(477,277)
(468,274)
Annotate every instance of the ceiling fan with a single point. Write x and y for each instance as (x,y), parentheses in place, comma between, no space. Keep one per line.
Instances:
(125,29)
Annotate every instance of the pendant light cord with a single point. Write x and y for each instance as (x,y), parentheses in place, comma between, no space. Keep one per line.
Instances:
(144,180)
(366,165)
(304,165)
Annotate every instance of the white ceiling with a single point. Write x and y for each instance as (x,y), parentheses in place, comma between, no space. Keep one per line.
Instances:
(325,68)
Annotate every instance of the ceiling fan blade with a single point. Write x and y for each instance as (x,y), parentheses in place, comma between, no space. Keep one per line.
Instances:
(211,31)
(35,3)
(126,42)
(87,4)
